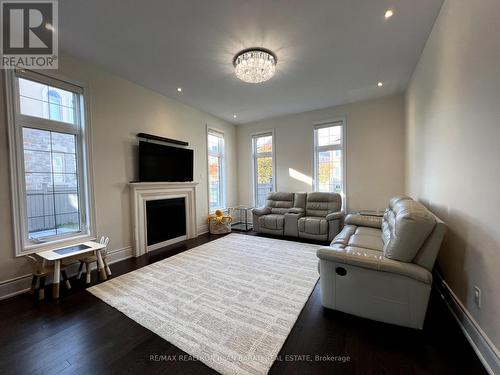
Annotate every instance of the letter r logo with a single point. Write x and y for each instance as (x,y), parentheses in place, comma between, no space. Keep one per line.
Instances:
(27,27)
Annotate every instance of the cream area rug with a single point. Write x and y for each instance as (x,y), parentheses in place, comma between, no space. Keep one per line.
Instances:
(230,303)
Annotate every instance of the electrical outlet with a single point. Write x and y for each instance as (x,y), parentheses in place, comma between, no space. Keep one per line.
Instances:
(477,296)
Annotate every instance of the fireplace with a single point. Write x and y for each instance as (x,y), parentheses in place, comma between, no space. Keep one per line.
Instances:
(165,221)
(163,213)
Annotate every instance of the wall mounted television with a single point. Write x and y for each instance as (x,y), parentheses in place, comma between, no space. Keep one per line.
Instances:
(158,162)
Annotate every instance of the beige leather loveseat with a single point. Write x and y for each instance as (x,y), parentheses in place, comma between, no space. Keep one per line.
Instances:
(380,268)
(270,219)
(322,218)
(315,216)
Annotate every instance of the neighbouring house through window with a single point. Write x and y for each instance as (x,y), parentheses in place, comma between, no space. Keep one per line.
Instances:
(51,170)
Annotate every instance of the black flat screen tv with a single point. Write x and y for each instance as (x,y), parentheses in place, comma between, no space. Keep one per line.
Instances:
(159,162)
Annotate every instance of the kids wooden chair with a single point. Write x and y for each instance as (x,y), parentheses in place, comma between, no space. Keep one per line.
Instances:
(93,258)
(40,271)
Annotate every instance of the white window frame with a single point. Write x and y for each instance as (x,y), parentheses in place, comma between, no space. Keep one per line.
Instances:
(262,154)
(16,121)
(342,147)
(222,173)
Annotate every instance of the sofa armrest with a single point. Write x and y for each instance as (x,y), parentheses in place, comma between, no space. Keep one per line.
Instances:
(334,216)
(296,210)
(364,221)
(261,211)
(292,223)
(374,260)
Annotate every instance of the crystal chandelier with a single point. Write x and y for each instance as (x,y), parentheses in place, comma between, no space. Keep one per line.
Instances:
(255,65)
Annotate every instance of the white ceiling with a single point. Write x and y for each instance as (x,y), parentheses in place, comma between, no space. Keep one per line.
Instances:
(329,52)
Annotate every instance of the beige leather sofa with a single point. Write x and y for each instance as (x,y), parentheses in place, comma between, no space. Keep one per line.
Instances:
(314,216)
(380,268)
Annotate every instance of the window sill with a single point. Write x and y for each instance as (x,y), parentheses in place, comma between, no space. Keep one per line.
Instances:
(55,244)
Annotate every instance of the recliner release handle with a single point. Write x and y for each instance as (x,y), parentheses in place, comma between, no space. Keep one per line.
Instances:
(341,271)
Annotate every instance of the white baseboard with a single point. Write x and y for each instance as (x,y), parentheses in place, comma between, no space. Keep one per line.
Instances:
(21,284)
(120,254)
(15,286)
(485,349)
(202,229)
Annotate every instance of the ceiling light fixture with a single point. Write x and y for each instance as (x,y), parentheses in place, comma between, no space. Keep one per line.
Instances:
(179,89)
(388,13)
(234,116)
(255,65)
(380,84)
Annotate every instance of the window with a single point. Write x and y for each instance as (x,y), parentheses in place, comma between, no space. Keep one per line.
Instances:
(329,157)
(215,145)
(43,101)
(55,112)
(50,153)
(263,167)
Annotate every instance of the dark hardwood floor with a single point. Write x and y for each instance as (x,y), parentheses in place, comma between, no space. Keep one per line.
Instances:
(80,334)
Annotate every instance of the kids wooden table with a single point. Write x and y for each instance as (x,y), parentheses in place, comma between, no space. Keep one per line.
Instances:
(68,252)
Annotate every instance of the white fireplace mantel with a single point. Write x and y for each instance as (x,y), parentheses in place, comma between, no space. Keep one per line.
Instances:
(141,192)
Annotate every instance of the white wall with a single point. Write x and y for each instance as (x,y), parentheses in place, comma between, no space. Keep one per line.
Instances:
(375,151)
(453,152)
(119,110)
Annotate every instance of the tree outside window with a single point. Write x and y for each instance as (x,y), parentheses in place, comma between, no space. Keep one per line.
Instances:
(263,167)
(328,158)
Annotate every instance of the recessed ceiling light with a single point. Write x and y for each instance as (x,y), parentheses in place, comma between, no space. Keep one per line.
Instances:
(179,89)
(234,116)
(380,84)
(388,13)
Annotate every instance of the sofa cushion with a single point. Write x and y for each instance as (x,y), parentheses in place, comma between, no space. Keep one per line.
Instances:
(366,241)
(368,238)
(321,204)
(369,232)
(272,221)
(280,202)
(313,225)
(405,227)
